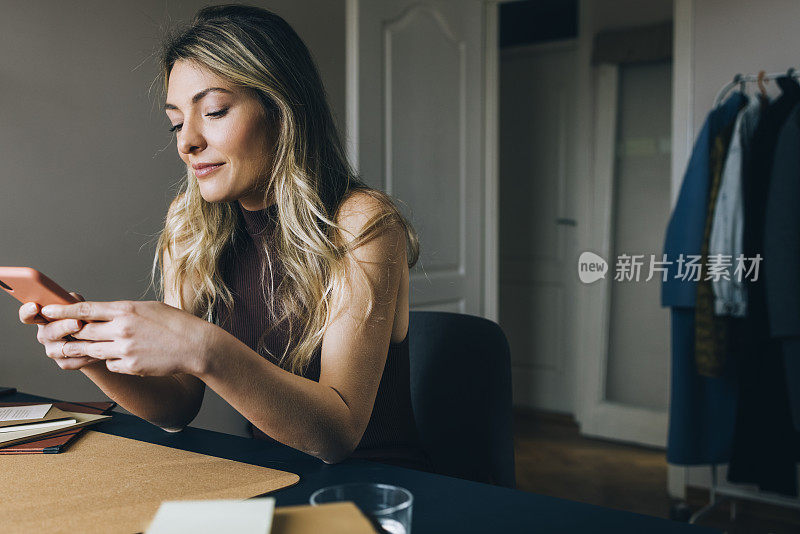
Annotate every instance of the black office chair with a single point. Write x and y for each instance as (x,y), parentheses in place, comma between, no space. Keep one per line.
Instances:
(461,395)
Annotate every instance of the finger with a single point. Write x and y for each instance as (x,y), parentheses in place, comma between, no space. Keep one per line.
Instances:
(86,310)
(58,329)
(96,331)
(100,350)
(30,314)
(27,312)
(72,364)
(117,366)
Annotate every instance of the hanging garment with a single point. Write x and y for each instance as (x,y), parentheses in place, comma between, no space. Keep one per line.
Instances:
(709,331)
(730,298)
(764,440)
(782,255)
(702,409)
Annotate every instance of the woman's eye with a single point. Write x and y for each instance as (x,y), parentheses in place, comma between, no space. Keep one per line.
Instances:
(218,113)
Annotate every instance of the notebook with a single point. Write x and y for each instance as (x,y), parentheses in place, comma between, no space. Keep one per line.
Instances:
(58,442)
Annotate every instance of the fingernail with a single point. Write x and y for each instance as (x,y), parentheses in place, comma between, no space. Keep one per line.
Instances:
(46,310)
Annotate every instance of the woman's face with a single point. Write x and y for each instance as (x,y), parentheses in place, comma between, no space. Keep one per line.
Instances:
(217,122)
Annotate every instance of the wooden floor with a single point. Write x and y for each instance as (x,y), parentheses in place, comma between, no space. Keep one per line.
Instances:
(553,459)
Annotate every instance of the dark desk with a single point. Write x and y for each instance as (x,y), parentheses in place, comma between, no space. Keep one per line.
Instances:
(441,504)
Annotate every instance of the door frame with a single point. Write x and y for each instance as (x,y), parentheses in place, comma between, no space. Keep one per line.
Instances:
(351,92)
(491,157)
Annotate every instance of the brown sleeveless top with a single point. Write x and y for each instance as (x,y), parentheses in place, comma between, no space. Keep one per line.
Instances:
(391,435)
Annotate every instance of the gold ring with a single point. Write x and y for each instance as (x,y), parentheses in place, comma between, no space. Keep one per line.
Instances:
(62,350)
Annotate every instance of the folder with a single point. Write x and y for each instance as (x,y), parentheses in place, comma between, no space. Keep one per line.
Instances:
(21,436)
(60,440)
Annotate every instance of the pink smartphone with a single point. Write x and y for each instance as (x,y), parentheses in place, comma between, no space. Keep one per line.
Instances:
(29,285)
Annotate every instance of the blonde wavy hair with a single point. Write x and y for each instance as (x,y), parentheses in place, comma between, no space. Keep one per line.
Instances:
(310,178)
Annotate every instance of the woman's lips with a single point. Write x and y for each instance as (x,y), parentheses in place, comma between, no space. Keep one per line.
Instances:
(207,170)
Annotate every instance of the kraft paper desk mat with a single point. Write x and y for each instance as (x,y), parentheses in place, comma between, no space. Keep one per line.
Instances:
(106,483)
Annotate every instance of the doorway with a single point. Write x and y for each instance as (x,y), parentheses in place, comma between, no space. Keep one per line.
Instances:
(537,132)
(584,165)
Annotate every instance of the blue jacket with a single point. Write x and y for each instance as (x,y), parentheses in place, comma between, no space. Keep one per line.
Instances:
(702,409)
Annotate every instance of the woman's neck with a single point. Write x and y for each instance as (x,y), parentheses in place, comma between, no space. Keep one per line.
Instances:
(255,200)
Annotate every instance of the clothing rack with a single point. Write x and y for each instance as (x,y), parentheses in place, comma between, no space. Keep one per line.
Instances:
(741,79)
(718,494)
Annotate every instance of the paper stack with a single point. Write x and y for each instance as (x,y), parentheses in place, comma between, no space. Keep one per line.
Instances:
(23,423)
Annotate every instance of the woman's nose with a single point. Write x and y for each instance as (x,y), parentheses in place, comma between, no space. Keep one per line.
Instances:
(190,138)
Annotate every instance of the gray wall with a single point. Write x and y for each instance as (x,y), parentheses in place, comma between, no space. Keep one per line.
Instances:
(740,36)
(88,165)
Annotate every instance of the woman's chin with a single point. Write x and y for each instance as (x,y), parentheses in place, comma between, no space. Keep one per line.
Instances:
(213,194)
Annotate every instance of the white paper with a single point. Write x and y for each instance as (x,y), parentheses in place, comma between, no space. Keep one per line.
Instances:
(38,426)
(19,413)
(252,516)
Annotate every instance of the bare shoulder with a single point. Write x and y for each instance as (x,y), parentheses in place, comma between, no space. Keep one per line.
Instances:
(360,210)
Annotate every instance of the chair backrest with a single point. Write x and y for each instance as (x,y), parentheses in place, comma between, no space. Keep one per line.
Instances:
(461,395)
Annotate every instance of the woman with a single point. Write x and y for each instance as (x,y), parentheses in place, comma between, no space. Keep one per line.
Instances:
(285,280)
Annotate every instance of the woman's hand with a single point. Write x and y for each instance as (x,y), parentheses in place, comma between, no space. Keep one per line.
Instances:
(138,338)
(54,335)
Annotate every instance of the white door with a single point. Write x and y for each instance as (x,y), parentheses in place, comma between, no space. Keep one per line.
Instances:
(537,226)
(415,84)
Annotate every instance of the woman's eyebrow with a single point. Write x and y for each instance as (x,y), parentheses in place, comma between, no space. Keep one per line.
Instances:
(196,98)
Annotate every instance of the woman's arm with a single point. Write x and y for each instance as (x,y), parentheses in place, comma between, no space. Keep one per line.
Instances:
(170,402)
(327,418)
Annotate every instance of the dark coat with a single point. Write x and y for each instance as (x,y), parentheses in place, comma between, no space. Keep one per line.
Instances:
(764,442)
(782,249)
